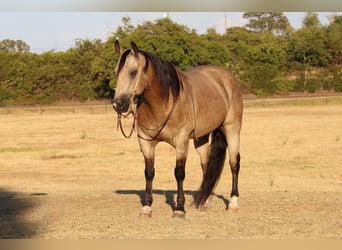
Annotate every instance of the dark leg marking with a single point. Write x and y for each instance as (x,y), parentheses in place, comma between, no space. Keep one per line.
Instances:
(149,175)
(235,168)
(180,176)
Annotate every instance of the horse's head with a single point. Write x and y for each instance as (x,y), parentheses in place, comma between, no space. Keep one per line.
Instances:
(130,82)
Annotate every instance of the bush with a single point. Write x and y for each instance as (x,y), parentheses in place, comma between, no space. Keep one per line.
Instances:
(312,85)
(300,83)
(260,77)
(284,87)
(336,81)
(47,99)
(4,95)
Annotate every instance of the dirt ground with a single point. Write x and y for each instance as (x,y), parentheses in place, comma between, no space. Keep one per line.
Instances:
(74,176)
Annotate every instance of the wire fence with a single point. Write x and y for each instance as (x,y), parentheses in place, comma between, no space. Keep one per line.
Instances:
(293,100)
(106,107)
(76,108)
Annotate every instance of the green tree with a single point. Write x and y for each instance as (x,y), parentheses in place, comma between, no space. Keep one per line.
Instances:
(334,36)
(311,20)
(262,22)
(215,49)
(174,42)
(257,58)
(9,45)
(309,47)
(126,29)
(261,58)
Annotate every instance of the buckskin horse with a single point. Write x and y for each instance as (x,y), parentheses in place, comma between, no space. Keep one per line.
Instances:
(174,106)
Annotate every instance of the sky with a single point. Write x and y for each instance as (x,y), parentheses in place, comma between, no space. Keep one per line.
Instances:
(45,31)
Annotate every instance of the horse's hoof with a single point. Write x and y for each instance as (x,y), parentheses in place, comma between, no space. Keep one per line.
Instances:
(233,205)
(232,209)
(146,211)
(203,208)
(178,214)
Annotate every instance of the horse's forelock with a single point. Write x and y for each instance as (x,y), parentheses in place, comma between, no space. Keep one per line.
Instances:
(122,60)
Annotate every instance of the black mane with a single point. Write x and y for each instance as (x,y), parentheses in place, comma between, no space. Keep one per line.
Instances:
(165,72)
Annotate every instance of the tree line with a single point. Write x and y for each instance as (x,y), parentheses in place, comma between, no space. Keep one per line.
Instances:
(267,55)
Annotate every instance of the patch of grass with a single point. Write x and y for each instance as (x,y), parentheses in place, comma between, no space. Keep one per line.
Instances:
(83,135)
(271,182)
(18,149)
(57,156)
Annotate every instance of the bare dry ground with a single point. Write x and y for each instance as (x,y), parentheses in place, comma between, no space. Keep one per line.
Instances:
(72,175)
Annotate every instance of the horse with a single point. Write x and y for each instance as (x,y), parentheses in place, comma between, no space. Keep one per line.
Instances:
(203,104)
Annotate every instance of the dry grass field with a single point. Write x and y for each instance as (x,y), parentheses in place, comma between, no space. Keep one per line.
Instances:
(72,175)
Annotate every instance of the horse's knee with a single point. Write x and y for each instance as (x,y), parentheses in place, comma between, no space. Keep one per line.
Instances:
(180,170)
(149,169)
(179,174)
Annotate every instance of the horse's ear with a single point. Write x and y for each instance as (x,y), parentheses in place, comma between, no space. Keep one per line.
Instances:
(134,48)
(118,48)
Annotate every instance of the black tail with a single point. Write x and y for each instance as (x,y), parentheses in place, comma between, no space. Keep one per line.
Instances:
(217,157)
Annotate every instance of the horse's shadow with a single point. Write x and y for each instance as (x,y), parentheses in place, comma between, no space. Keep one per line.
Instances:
(14,210)
(170,196)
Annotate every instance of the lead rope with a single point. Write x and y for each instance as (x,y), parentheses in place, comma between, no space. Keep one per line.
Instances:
(119,125)
(163,124)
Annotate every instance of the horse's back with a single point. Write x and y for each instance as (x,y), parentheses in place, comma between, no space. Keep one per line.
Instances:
(214,78)
(214,72)
(216,94)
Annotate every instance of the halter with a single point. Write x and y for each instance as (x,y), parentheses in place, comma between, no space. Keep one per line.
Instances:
(119,124)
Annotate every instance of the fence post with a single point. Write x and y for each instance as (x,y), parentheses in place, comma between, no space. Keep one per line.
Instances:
(40,109)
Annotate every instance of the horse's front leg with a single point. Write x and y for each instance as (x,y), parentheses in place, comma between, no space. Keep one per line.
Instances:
(181,155)
(147,148)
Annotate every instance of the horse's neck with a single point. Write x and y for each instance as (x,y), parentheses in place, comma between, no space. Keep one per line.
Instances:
(154,105)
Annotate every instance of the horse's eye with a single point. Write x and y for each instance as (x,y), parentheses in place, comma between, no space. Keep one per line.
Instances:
(133,73)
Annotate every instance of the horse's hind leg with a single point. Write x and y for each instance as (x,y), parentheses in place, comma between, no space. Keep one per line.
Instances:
(233,139)
(202,147)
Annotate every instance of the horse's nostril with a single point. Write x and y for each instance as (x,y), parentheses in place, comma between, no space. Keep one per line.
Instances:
(114,105)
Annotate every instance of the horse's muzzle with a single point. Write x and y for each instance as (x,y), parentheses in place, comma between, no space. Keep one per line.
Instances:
(121,105)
